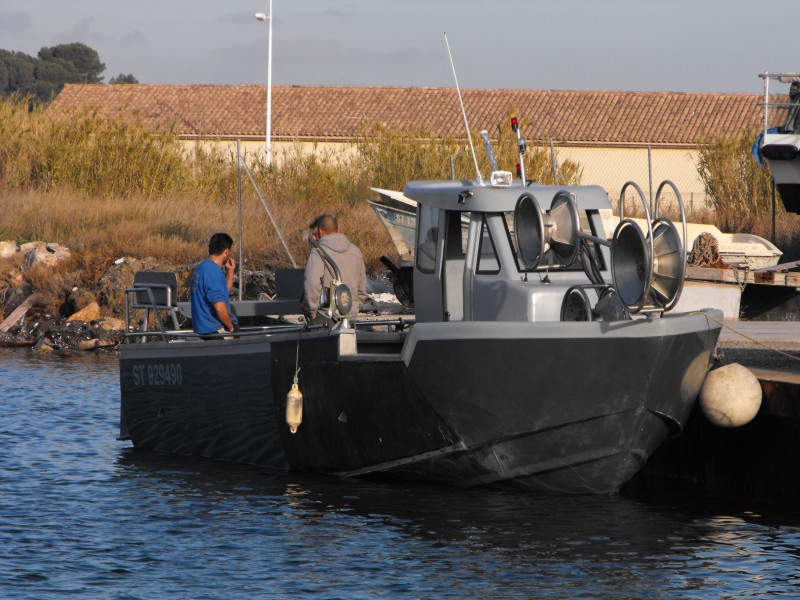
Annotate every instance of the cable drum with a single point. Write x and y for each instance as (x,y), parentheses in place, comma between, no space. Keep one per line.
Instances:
(631,266)
(669,264)
(529,231)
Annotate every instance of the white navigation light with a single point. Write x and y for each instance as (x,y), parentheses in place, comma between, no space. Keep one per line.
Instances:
(502,178)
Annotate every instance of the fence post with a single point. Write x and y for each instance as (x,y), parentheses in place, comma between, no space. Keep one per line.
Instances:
(650,176)
(241,226)
(773,211)
(553,162)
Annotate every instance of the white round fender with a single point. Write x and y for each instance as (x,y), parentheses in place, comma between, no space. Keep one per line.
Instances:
(730,396)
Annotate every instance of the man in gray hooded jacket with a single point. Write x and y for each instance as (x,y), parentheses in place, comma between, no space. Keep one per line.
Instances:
(347,257)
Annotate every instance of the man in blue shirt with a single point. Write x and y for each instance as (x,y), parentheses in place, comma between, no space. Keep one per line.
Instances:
(210,287)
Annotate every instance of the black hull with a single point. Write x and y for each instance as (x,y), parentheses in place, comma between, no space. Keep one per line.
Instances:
(578,407)
(539,413)
(201,398)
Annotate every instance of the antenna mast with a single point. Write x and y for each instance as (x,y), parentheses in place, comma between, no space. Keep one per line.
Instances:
(463,111)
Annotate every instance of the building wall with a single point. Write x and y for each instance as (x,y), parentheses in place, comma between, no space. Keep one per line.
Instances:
(280,150)
(611,168)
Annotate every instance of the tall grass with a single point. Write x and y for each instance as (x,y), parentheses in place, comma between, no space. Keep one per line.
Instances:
(732,179)
(392,157)
(78,150)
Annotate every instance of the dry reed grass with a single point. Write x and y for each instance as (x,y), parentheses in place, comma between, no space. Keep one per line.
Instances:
(732,179)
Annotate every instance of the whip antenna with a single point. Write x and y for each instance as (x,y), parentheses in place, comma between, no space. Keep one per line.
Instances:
(463,111)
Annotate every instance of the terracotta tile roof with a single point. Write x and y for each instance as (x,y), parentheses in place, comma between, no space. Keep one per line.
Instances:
(329,113)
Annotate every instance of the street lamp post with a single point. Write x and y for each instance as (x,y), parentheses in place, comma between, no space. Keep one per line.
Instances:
(268,135)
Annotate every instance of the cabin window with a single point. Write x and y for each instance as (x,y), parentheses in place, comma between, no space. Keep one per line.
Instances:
(488,262)
(427,237)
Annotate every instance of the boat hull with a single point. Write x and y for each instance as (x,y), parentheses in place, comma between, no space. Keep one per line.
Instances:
(526,405)
(568,407)
(201,398)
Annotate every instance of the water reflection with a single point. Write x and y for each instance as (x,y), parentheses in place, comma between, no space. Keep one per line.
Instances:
(613,546)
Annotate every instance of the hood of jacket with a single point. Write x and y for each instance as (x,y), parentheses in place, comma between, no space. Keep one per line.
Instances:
(335,242)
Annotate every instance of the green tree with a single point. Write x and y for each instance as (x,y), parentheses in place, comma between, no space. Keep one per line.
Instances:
(123,78)
(81,61)
(16,73)
(42,77)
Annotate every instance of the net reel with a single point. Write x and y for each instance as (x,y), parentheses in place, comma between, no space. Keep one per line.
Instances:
(577,306)
(648,269)
(554,233)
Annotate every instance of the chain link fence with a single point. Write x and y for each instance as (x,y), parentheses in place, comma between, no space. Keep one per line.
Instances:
(612,168)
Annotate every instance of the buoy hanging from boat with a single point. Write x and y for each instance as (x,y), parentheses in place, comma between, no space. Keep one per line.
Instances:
(294,408)
(730,396)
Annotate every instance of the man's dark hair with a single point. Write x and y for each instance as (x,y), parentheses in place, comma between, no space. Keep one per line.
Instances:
(323,220)
(218,243)
(326,222)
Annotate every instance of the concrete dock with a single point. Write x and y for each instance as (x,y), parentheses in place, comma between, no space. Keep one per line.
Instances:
(765,345)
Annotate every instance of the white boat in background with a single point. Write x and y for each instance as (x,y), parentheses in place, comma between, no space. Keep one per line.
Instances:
(398,215)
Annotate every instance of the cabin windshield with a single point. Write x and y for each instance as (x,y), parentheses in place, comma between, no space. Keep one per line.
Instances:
(488,263)
(427,237)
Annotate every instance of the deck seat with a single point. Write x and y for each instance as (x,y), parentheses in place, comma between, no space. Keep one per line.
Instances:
(154,291)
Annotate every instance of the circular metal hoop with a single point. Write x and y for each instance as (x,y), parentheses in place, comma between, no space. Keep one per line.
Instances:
(565,221)
(576,305)
(529,231)
(669,264)
(631,265)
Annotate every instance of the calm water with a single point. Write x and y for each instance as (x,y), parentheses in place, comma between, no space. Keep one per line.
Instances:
(85,516)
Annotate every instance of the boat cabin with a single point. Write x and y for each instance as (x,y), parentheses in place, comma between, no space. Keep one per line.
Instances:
(483,254)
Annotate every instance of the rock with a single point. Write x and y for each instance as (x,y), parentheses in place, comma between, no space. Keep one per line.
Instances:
(8,249)
(17,297)
(82,298)
(43,253)
(94,344)
(77,299)
(43,347)
(109,324)
(88,313)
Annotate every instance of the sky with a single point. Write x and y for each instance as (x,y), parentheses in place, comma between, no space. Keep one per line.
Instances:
(717,46)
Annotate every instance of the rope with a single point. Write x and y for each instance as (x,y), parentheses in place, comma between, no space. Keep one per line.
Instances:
(297,362)
(747,337)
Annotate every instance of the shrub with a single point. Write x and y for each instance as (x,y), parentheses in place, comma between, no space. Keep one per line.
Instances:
(732,179)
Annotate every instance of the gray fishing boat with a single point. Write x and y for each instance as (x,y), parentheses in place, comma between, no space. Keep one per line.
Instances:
(541,355)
